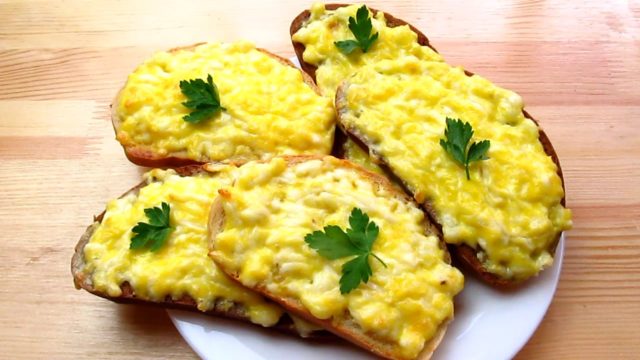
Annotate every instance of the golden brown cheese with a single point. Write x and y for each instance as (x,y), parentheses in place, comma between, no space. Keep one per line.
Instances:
(324,27)
(181,267)
(510,209)
(272,206)
(270,110)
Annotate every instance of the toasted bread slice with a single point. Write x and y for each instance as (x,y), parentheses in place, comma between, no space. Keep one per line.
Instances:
(231,300)
(257,231)
(466,254)
(302,18)
(265,97)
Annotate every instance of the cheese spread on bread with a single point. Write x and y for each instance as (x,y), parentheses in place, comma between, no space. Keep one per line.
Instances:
(358,155)
(272,206)
(270,110)
(511,208)
(181,267)
(324,27)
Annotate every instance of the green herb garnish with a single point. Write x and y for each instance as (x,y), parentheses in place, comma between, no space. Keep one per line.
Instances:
(361,28)
(458,134)
(203,99)
(155,233)
(335,243)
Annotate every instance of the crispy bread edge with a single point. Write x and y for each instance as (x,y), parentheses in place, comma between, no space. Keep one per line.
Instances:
(348,329)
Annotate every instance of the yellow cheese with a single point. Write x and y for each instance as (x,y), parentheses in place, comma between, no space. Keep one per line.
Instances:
(270,110)
(356,154)
(272,206)
(181,268)
(324,27)
(510,209)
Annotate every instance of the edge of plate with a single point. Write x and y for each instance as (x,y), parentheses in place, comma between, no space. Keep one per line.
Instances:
(559,258)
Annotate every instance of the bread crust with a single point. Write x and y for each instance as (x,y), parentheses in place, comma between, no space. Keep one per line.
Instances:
(145,156)
(464,254)
(348,329)
(221,306)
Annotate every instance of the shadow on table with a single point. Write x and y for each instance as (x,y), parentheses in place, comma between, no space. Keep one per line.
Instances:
(147,320)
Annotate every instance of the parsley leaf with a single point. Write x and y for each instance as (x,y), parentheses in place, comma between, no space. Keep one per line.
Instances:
(335,243)
(354,271)
(203,99)
(347,46)
(152,235)
(361,28)
(458,134)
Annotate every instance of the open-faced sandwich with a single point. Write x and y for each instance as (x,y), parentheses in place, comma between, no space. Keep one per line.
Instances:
(464,147)
(150,246)
(273,231)
(219,102)
(341,247)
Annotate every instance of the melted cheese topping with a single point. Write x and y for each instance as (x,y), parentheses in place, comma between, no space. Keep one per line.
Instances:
(270,110)
(181,267)
(510,209)
(324,27)
(354,153)
(271,208)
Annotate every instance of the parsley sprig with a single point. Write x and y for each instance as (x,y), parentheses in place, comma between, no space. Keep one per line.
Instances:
(152,235)
(458,134)
(203,99)
(334,243)
(361,28)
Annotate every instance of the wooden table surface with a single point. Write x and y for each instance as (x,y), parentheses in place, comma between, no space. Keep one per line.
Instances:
(577,65)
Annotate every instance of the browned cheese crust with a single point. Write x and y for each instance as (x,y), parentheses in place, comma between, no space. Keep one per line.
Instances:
(465,255)
(348,328)
(221,307)
(145,156)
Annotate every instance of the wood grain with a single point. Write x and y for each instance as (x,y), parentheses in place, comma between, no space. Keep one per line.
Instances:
(575,63)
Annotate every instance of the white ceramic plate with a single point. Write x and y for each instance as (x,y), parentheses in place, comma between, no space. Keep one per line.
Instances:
(489,324)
